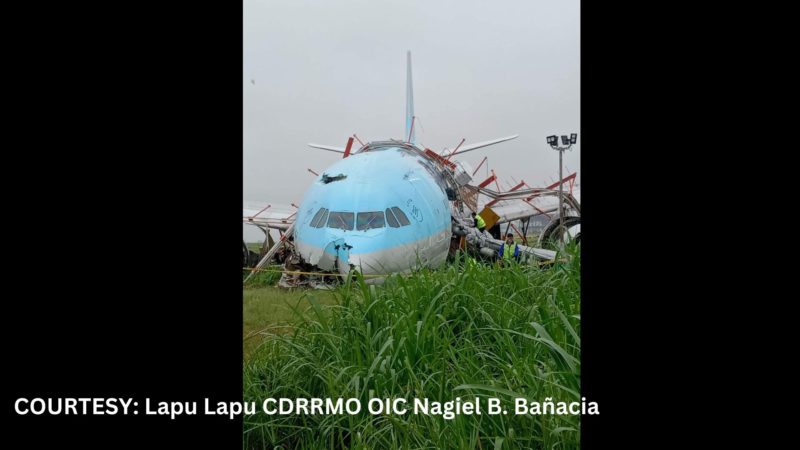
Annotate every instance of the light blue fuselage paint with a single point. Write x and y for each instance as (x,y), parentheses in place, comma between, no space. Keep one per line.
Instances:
(374,181)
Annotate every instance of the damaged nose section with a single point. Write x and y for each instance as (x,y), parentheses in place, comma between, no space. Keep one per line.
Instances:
(336,257)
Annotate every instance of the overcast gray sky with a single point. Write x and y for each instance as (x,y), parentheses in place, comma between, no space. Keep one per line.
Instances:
(323,70)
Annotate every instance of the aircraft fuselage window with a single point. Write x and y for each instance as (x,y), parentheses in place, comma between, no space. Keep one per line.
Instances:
(369,220)
(391,219)
(401,216)
(319,218)
(341,220)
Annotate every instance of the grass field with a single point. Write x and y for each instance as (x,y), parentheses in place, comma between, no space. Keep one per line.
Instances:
(459,331)
(270,309)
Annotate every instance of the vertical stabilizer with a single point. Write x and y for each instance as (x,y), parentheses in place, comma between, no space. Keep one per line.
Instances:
(409,103)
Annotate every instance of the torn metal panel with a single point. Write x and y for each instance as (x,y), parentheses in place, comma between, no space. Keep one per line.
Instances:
(334,257)
(330,179)
(462,173)
(265,260)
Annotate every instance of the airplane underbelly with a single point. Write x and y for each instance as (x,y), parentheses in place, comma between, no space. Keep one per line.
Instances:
(428,252)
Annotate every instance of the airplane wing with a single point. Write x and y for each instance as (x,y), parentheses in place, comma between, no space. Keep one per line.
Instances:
(329,148)
(521,208)
(279,218)
(469,148)
(510,210)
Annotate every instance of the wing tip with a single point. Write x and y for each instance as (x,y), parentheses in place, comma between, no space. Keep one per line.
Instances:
(329,148)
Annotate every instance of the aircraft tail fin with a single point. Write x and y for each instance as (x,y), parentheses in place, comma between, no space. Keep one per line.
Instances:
(409,134)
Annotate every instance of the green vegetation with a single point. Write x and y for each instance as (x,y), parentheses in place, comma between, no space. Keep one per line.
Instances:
(268,276)
(271,310)
(462,331)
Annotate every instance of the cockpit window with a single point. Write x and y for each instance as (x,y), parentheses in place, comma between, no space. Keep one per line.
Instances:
(391,219)
(401,216)
(369,220)
(323,220)
(341,220)
(319,218)
(395,217)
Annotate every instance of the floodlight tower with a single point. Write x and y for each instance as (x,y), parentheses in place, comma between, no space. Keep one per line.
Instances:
(567,143)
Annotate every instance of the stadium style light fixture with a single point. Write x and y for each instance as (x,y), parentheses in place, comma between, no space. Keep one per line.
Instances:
(567,143)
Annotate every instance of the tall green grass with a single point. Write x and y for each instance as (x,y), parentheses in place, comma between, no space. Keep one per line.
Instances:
(462,331)
(269,310)
(267,277)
